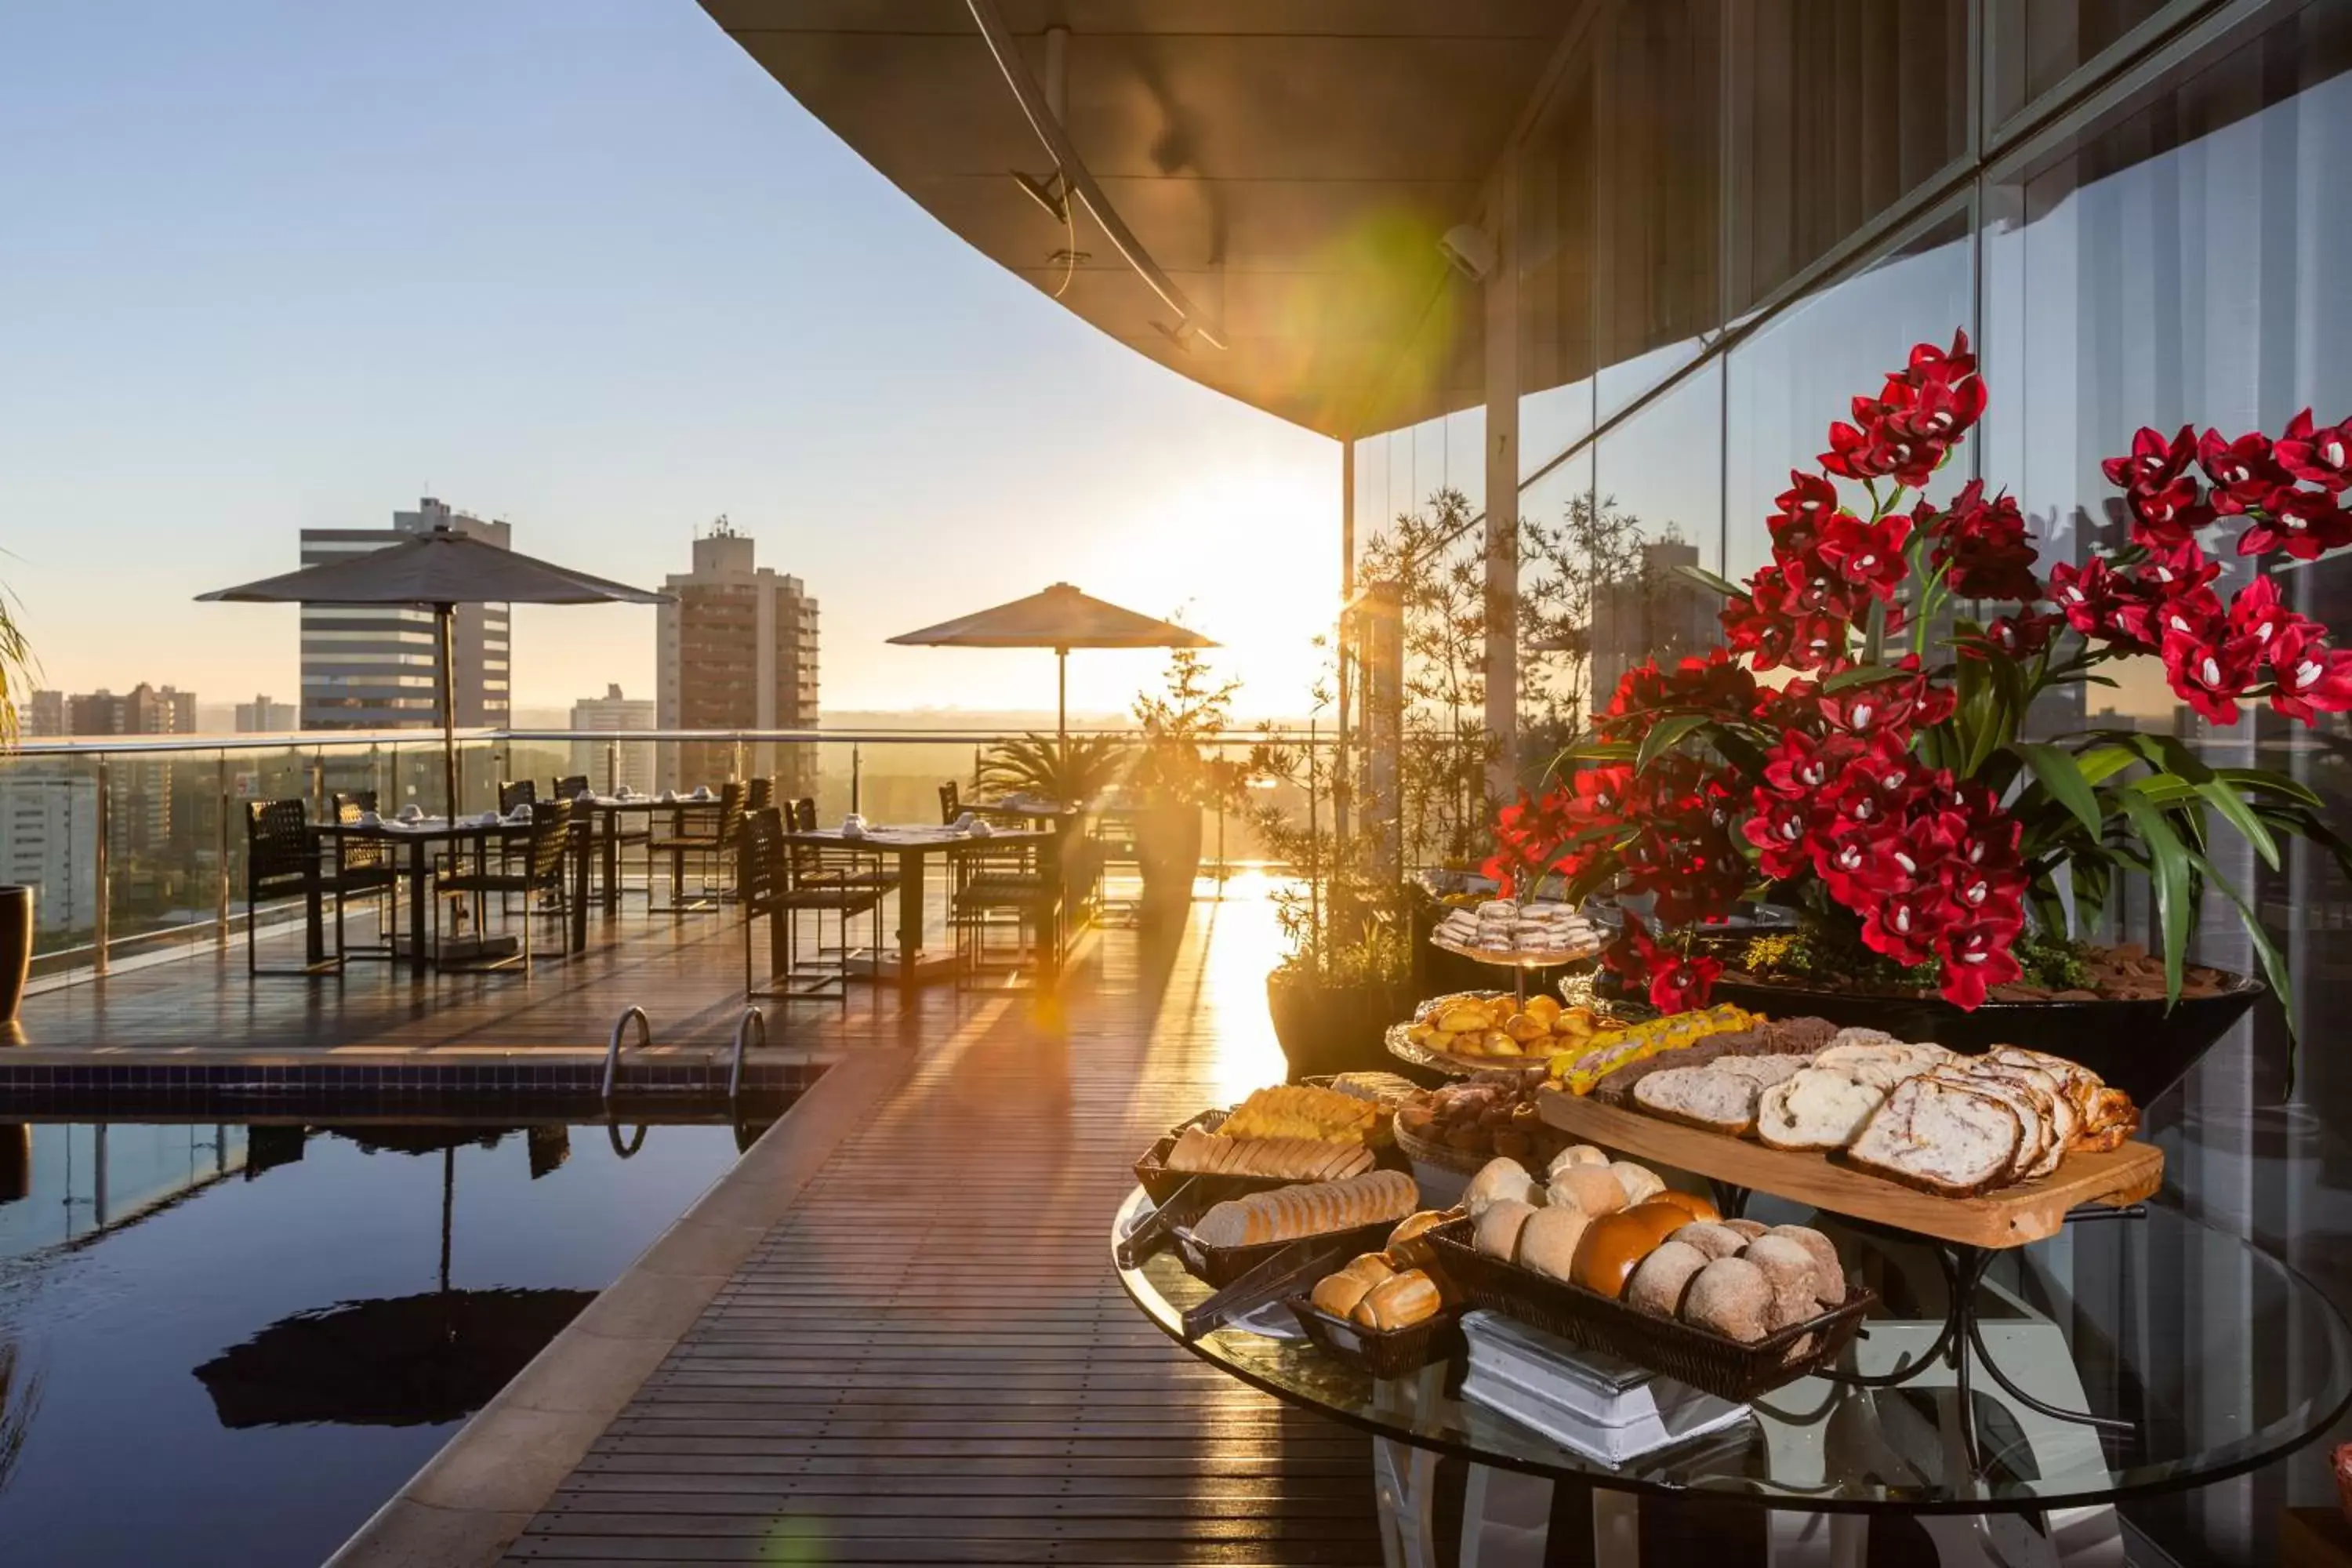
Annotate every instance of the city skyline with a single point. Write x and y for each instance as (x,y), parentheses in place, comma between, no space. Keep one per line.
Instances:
(294,254)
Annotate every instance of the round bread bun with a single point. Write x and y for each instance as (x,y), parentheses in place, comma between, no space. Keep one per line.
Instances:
(1369,1267)
(1500,1180)
(1660,1279)
(1698,1207)
(1574,1154)
(1339,1294)
(1406,1250)
(1788,1268)
(1641,1182)
(1408,1299)
(1749,1228)
(1595,1189)
(1497,1232)
(1829,1274)
(1548,1240)
(1712,1239)
(1615,1245)
(1730,1297)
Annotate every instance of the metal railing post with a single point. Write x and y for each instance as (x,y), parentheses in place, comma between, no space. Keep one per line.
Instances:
(612,767)
(856,777)
(220,882)
(99,870)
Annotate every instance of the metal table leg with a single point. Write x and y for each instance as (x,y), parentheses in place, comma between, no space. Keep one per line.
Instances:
(1507,1517)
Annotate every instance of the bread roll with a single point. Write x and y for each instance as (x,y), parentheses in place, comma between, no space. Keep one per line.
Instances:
(1399,1303)
(1338,1293)
(1406,1249)
(1287,1214)
(1748,1229)
(1660,1279)
(1548,1240)
(1829,1274)
(1595,1189)
(1697,1206)
(1497,1232)
(1295,1159)
(1712,1239)
(1730,1297)
(1499,1181)
(1613,1245)
(1574,1154)
(1641,1182)
(1788,1268)
(1369,1267)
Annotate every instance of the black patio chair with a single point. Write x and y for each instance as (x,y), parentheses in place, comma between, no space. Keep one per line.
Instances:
(769,882)
(804,820)
(358,862)
(539,870)
(1012,886)
(283,858)
(758,795)
(704,829)
(951,801)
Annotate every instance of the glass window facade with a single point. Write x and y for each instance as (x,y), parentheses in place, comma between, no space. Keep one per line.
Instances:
(1732,216)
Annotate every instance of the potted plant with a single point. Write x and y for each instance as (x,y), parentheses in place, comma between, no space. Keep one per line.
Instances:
(1946,869)
(1075,770)
(15,900)
(1175,778)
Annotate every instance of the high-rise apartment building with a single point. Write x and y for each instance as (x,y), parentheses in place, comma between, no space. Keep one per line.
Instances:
(609,764)
(267,716)
(138,795)
(44,713)
(48,840)
(738,650)
(373,667)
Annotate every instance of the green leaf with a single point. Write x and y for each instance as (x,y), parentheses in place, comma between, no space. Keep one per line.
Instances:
(2061,775)
(2266,952)
(1663,737)
(2169,860)
(2273,783)
(2242,817)
(1863,675)
(1706,579)
(2099,763)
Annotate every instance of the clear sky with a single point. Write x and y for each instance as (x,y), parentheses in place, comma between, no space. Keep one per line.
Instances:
(581,264)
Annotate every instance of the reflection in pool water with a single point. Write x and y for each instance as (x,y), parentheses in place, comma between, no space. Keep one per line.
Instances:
(229,1345)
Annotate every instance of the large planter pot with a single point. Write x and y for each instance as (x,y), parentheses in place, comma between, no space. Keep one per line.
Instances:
(1168,853)
(1338,1028)
(2135,1044)
(16,947)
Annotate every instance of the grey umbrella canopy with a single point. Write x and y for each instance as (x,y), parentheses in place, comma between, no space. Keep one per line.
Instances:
(443,569)
(1060,619)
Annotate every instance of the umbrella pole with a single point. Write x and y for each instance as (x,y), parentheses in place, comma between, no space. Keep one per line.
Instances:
(1062,700)
(446,614)
(449,1202)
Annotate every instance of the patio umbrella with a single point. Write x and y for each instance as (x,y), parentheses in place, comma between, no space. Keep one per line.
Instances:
(443,569)
(1060,619)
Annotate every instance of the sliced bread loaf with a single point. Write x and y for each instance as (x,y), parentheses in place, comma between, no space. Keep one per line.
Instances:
(1819,1108)
(1941,1137)
(2038,1151)
(1700,1097)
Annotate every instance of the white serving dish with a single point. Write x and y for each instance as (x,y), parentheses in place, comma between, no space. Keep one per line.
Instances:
(1606,1409)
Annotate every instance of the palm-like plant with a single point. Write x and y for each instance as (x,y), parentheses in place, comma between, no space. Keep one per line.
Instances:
(18,668)
(1076,771)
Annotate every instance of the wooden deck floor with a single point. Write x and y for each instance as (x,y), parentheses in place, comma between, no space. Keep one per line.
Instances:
(929,1360)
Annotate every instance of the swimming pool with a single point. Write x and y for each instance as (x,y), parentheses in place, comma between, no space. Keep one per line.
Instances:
(231,1343)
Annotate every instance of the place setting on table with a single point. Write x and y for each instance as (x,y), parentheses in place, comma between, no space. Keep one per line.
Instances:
(914,845)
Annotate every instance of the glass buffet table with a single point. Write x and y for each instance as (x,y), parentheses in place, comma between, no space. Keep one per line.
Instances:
(2206,1357)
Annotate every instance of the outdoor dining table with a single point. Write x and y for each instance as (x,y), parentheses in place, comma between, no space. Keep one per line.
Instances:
(2218,1357)
(914,845)
(420,837)
(602,814)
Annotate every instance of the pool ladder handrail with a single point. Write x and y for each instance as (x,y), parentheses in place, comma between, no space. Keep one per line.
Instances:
(744,1030)
(613,1052)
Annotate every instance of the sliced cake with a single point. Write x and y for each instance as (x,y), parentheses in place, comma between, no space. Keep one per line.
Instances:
(1941,1137)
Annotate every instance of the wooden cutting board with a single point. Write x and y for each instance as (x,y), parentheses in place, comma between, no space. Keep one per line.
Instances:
(2010,1217)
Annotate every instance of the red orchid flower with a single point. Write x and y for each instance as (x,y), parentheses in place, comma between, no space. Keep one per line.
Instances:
(2259,613)
(2023,635)
(2306,524)
(2154,462)
(2173,570)
(1976,957)
(2244,473)
(2094,596)
(1782,829)
(1677,984)
(2171,514)
(2320,456)
(1905,925)
(1804,505)
(2313,678)
(2209,669)
(1985,544)
(1867,556)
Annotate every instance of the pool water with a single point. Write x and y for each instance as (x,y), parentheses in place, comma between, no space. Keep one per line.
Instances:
(222,1344)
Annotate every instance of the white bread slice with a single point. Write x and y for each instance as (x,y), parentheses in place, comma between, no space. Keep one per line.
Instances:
(2037,1142)
(2065,1118)
(1882,1064)
(1763,1071)
(1700,1097)
(1941,1137)
(1819,1108)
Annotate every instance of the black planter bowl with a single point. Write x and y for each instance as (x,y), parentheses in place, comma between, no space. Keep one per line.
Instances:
(2135,1045)
(1325,1029)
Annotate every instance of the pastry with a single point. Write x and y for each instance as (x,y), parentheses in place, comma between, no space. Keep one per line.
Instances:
(1595,1189)
(1302,1111)
(1406,1246)
(1941,1137)
(1700,1097)
(1712,1239)
(1829,1274)
(1496,1233)
(1288,1212)
(1641,1182)
(1691,1203)
(1731,1297)
(1818,1107)
(1660,1279)
(1498,1181)
(1548,1238)
(1574,1154)
(1293,1159)
(1615,1245)
(1399,1302)
(1789,1269)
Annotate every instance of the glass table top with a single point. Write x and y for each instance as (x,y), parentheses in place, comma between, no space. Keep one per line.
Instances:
(2219,1356)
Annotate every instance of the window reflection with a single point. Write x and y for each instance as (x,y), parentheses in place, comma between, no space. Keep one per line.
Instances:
(2033,45)
(1556,227)
(1658,486)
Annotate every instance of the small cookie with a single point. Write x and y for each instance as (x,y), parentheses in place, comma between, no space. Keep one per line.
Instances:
(1789,1267)
(1660,1278)
(1730,1297)
(1829,1274)
(1711,1240)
